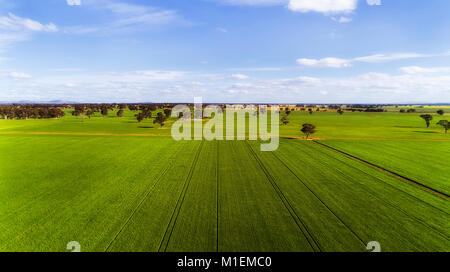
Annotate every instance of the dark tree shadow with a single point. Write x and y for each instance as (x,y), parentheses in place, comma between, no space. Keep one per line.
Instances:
(425,132)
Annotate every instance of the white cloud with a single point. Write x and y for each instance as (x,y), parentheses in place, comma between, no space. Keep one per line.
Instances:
(323,6)
(253,2)
(17,75)
(7,39)
(342,19)
(221,29)
(129,17)
(325,62)
(181,86)
(256,69)
(422,70)
(239,76)
(377,58)
(14,29)
(16,23)
(390,57)
(74,2)
(374,2)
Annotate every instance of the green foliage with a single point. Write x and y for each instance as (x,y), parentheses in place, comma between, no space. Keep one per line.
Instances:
(445,124)
(160,119)
(308,129)
(140,116)
(427,118)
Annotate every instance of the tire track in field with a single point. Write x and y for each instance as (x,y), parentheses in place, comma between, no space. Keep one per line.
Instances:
(318,198)
(403,178)
(163,173)
(173,220)
(390,204)
(217,196)
(309,237)
(396,188)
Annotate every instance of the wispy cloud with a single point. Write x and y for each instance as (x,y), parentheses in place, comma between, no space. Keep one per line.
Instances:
(423,70)
(18,75)
(128,17)
(73,2)
(256,69)
(221,29)
(376,58)
(16,23)
(323,6)
(342,19)
(374,2)
(252,2)
(14,29)
(181,86)
(325,62)
(239,76)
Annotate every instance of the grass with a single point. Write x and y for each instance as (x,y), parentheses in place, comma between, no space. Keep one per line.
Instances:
(128,193)
(424,162)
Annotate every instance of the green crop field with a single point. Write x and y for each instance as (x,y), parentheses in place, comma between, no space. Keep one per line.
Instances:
(113,184)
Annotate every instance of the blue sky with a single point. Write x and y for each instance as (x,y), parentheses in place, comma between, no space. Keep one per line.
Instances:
(260,51)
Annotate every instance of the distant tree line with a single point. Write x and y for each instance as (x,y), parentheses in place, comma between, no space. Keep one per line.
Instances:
(30,112)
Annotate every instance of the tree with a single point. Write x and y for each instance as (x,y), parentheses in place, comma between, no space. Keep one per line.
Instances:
(147,111)
(160,118)
(285,120)
(310,111)
(139,117)
(340,111)
(308,129)
(167,112)
(79,110)
(288,111)
(440,112)
(89,113)
(427,118)
(104,111)
(445,124)
(120,113)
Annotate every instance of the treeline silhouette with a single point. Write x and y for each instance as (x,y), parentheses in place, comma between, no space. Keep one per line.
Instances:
(31,112)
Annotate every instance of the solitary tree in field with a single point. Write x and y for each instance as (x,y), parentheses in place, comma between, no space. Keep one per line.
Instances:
(308,129)
(140,117)
(288,111)
(445,124)
(310,111)
(120,113)
(340,111)
(285,120)
(440,112)
(160,119)
(427,118)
